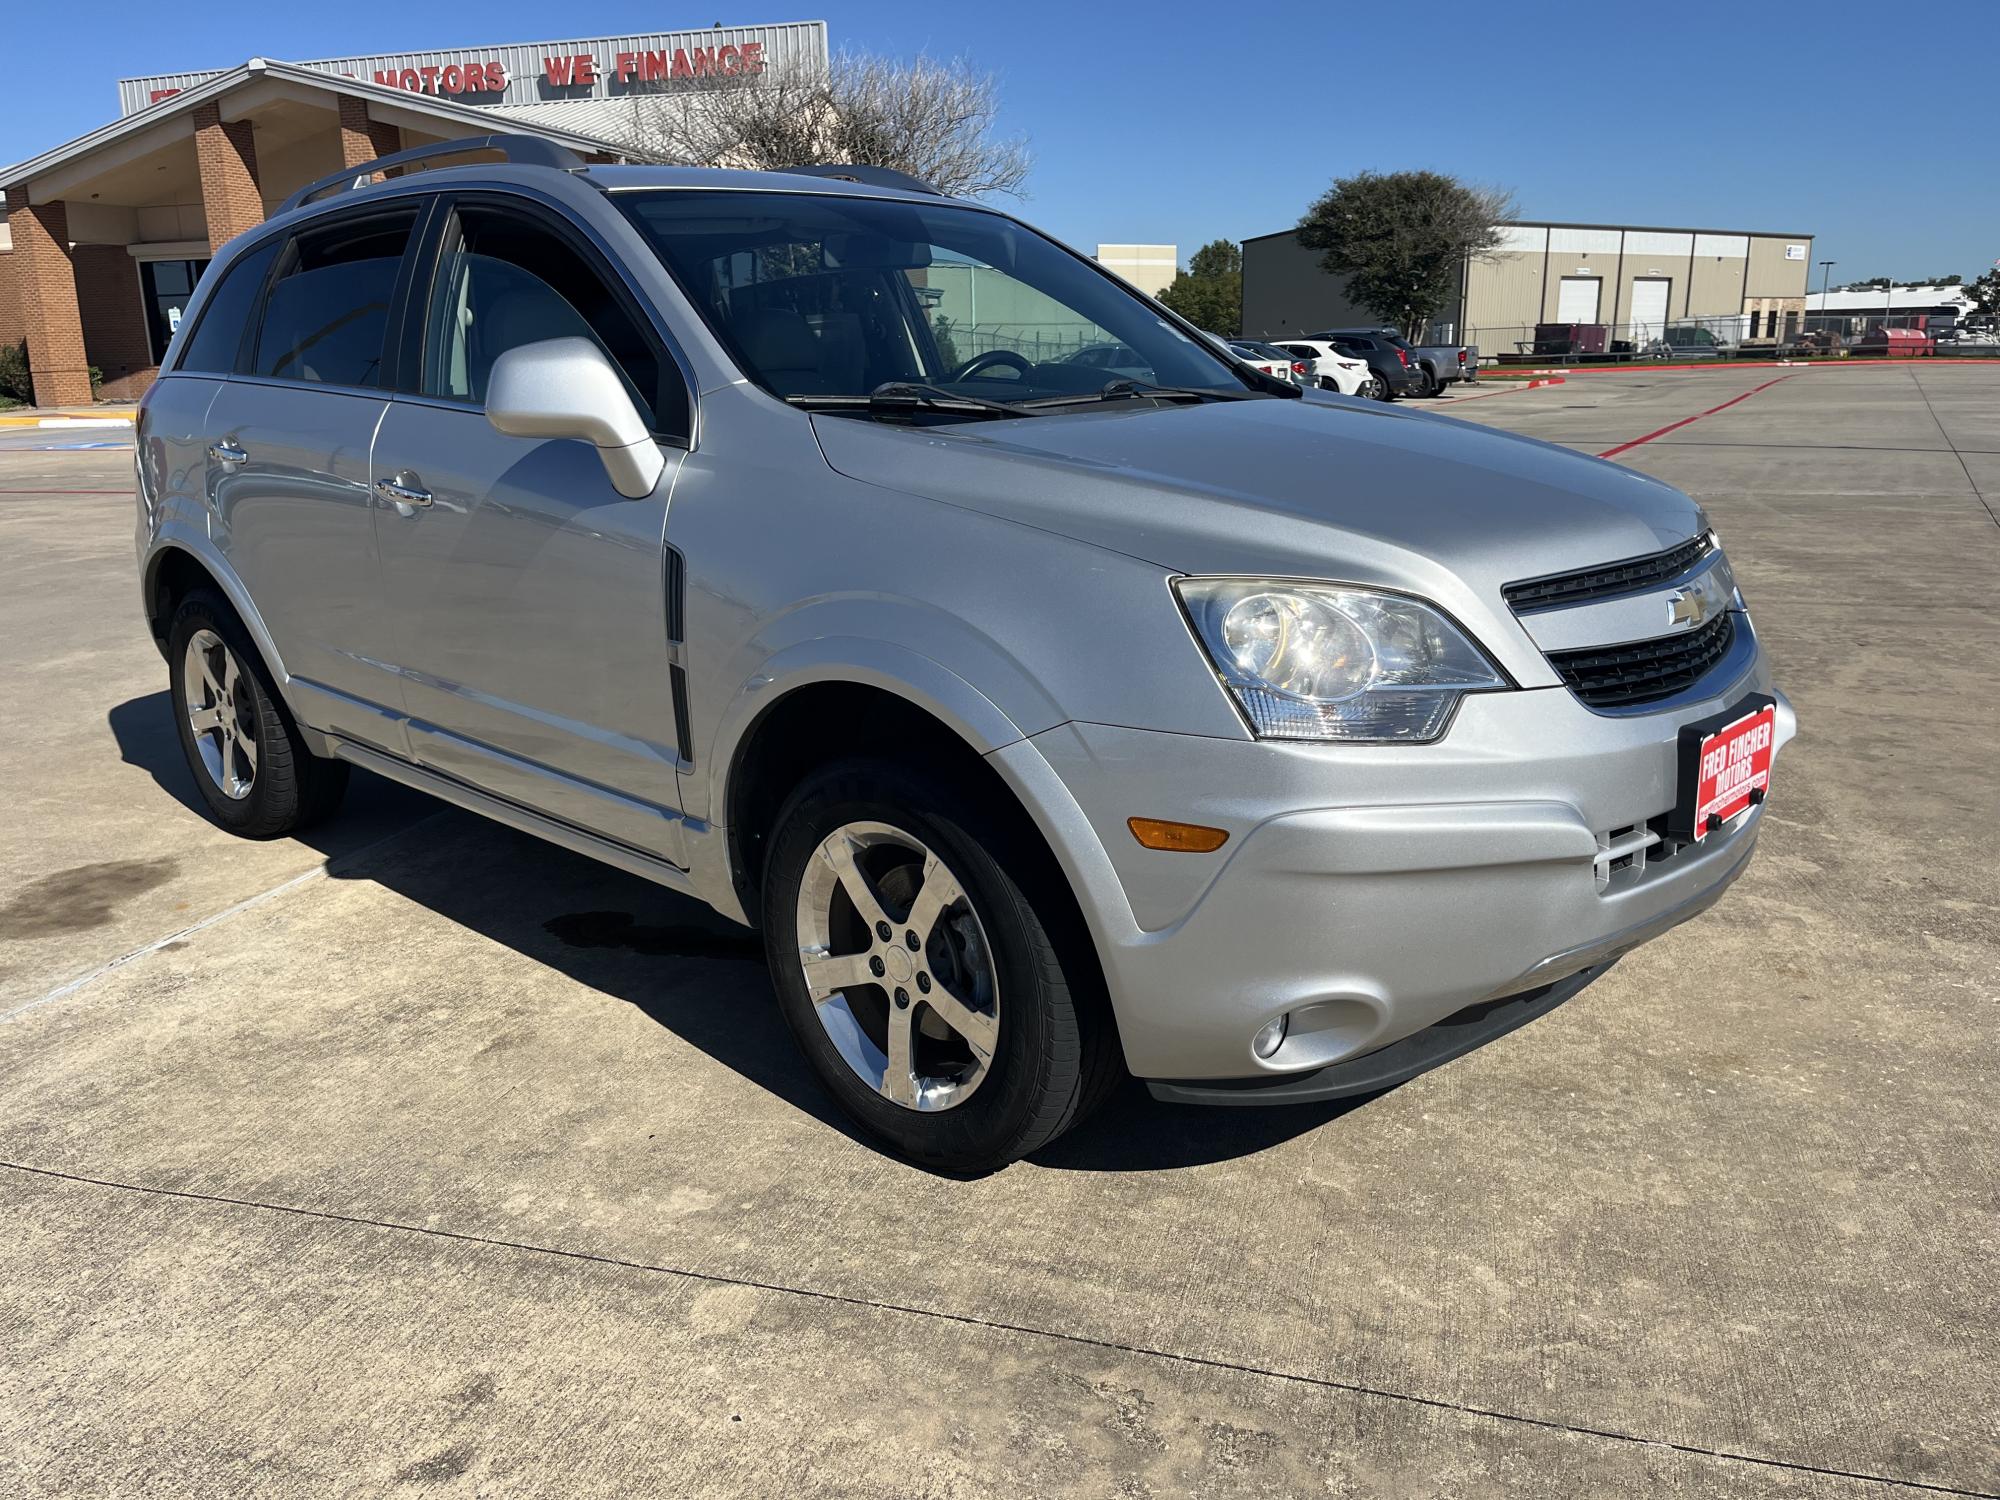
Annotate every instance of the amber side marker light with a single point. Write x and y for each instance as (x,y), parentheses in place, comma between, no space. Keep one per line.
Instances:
(1178,838)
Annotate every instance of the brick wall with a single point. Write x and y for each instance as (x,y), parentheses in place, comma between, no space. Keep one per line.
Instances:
(47,285)
(226,152)
(13,318)
(114,319)
(363,139)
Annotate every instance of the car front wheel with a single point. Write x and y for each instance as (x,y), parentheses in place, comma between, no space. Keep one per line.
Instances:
(927,969)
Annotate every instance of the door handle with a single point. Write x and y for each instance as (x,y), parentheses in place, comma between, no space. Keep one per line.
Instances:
(226,452)
(402,495)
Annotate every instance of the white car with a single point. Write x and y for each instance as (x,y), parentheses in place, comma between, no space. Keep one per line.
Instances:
(1330,369)
(1272,361)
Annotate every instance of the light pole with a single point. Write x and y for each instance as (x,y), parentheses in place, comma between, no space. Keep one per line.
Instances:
(1825,274)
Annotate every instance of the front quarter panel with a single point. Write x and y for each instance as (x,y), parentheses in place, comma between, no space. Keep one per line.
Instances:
(797,574)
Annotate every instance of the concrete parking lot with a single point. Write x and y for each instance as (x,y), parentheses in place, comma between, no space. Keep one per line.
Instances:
(427,1158)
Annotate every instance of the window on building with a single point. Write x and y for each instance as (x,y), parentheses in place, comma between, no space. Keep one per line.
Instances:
(212,348)
(168,286)
(507,281)
(328,311)
(1756,322)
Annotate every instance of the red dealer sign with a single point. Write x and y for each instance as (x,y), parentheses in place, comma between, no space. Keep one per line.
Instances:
(570,68)
(473,76)
(584,70)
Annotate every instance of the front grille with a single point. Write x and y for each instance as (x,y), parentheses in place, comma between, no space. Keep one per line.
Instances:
(1627,577)
(1644,671)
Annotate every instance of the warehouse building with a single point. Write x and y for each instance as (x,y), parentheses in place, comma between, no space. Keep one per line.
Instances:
(106,235)
(1150,268)
(1638,284)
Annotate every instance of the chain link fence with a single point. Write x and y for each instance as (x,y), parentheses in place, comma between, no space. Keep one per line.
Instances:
(1759,336)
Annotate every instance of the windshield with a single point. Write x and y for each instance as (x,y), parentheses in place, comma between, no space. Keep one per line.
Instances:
(825,299)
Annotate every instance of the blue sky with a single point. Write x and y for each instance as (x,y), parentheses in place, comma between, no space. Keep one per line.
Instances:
(1830,119)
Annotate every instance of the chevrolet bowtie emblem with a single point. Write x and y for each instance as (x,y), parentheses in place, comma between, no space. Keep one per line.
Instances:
(1687,607)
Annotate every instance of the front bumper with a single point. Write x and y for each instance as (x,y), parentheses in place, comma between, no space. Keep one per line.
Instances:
(1369,892)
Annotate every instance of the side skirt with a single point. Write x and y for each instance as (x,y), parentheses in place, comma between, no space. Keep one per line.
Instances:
(610,852)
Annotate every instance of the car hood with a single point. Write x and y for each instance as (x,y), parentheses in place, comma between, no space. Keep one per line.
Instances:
(1320,487)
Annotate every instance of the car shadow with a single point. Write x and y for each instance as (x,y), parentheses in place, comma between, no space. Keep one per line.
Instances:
(373,809)
(677,962)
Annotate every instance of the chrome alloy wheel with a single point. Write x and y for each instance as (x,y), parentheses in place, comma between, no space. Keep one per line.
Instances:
(898,966)
(221,713)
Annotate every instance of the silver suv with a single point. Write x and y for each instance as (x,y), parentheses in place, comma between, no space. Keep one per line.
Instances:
(761,534)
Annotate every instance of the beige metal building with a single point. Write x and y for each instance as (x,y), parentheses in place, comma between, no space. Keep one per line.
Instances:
(1636,282)
(1151,268)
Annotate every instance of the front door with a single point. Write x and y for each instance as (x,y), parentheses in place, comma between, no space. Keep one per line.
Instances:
(527,597)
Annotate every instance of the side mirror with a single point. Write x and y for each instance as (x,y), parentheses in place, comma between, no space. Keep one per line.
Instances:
(566,388)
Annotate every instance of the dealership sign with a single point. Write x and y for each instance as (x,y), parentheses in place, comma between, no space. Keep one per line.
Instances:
(547,72)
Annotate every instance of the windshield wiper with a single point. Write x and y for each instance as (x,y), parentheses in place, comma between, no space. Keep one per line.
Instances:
(911,395)
(1126,386)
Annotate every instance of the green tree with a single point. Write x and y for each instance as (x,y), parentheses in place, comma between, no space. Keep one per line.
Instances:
(1400,238)
(1985,293)
(1209,293)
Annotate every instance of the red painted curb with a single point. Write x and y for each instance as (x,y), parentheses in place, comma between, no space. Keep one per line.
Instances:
(1674,426)
(1513,386)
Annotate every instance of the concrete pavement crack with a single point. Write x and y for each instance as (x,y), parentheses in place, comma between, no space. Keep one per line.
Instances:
(1139,1351)
(1978,494)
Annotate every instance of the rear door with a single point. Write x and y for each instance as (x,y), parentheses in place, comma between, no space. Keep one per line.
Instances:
(288,442)
(528,599)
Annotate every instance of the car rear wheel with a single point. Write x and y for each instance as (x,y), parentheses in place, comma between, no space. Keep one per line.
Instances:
(251,768)
(1382,391)
(910,940)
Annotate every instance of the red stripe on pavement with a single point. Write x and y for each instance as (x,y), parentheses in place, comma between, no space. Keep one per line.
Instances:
(1676,426)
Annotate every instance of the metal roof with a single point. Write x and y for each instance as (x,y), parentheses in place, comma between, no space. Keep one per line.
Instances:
(259,67)
(1875,299)
(1755,234)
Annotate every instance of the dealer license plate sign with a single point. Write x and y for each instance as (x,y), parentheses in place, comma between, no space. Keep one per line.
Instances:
(1725,766)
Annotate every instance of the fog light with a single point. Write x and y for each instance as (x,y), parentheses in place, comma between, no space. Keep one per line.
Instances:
(1271,1038)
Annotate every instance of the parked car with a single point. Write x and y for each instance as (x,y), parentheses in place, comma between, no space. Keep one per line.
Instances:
(1329,369)
(1271,748)
(1272,361)
(1387,357)
(1688,341)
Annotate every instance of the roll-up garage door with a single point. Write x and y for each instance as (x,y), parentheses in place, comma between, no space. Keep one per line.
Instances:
(1649,308)
(1578,299)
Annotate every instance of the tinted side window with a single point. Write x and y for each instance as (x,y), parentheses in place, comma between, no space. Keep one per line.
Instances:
(506,281)
(328,311)
(211,347)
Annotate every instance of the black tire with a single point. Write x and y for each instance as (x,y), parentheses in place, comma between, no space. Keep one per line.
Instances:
(1055,1054)
(1383,391)
(290,788)
(1430,384)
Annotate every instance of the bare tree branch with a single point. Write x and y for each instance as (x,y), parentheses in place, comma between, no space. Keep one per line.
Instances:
(932,119)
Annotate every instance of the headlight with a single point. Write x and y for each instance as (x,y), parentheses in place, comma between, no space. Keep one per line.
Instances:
(1311,661)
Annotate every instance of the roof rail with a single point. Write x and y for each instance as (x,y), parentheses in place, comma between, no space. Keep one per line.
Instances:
(887,177)
(528,150)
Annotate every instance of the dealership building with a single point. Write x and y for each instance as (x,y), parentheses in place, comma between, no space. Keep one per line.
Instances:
(1633,281)
(105,235)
